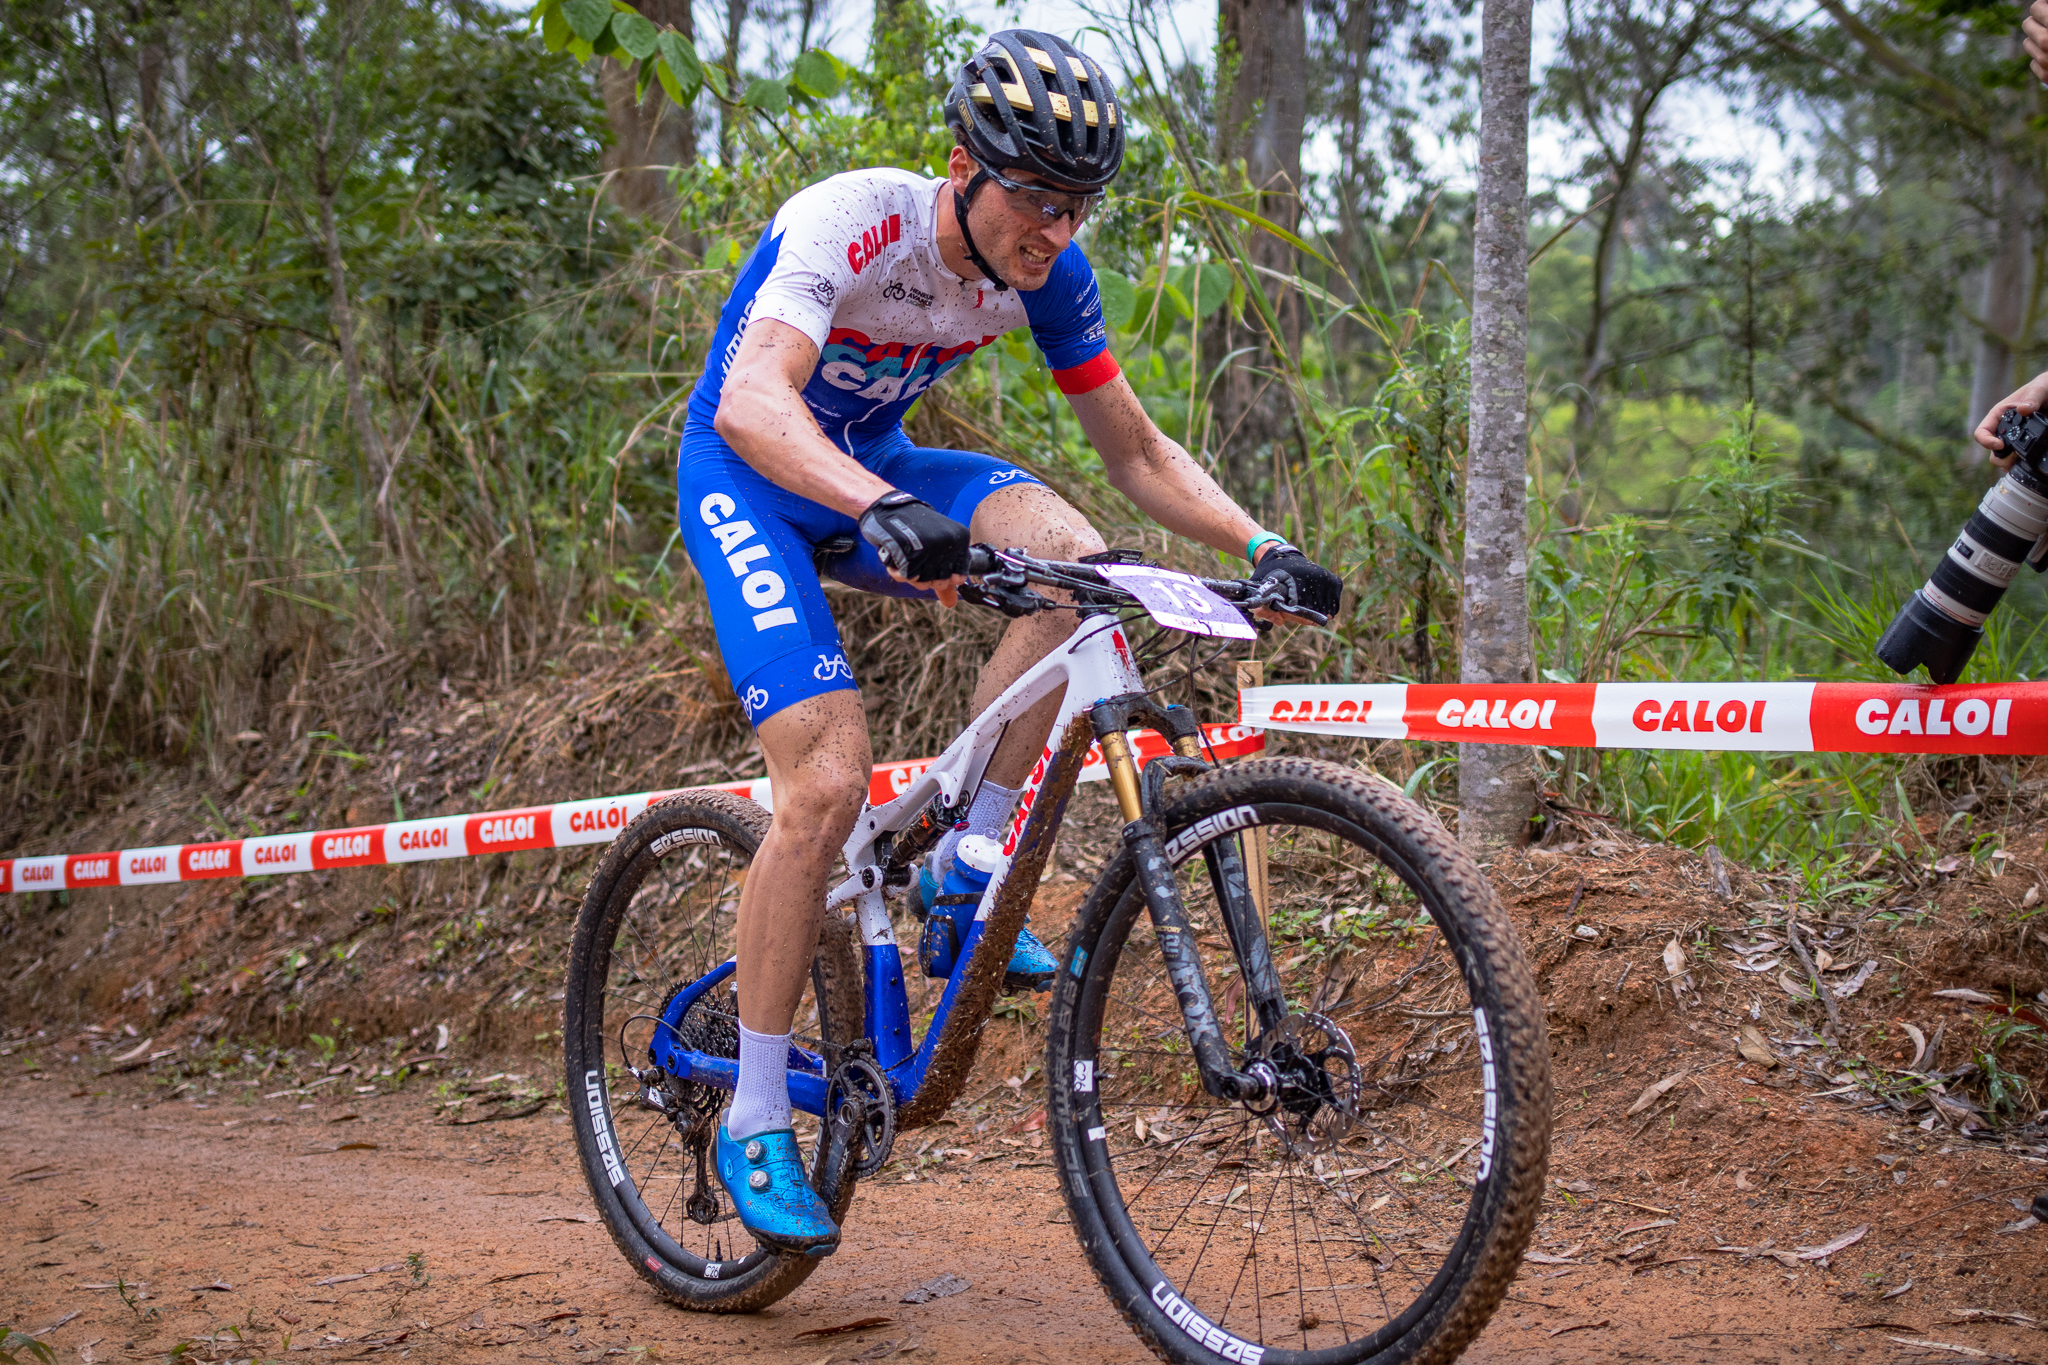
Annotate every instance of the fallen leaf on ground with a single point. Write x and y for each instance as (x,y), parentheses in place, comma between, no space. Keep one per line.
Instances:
(944,1287)
(1984,1314)
(1847,1239)
(1577,1327)
(857,1325)
(1674,963)
(1541,1258)
(1653,1092)
(1927,1345)
(218,1286)
(1964,993)
(1645,1227)
(567,1218)
(1894,1293)
(1856,982)
(1919,1046)
(1754,1049)
(58,1323)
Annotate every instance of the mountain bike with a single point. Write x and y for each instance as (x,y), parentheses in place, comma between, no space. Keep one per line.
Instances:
(1297,1078)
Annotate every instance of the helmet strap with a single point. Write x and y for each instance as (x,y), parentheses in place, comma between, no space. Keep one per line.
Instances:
(961,202)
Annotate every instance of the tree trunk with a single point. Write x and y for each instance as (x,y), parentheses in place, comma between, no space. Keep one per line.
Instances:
(1496,789)
(735,18)
(648,136)
(1262,65)
(2002,309)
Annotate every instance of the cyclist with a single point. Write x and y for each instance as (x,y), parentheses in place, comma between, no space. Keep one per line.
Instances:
(865,289)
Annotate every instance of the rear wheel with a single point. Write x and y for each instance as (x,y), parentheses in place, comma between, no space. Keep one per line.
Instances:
(1377,1206)
(658,917)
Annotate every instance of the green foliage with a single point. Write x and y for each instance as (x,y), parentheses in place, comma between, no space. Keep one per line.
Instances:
(19,1348)
(668,58)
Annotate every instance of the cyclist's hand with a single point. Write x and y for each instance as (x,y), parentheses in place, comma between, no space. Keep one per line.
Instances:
(1314,586)
(2035,27)
(918,544)
(2028,398)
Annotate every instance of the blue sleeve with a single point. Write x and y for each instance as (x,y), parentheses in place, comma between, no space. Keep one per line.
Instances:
(1066,321)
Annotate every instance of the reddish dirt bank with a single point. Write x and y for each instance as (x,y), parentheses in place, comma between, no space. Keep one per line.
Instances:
(259,1228)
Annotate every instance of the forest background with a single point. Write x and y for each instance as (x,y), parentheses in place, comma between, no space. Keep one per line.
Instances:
(345,346)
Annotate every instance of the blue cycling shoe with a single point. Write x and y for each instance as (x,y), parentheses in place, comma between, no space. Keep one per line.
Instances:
(764,1176)
(1032,967)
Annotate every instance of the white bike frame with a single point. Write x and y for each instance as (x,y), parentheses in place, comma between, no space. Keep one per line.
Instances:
(1093,664)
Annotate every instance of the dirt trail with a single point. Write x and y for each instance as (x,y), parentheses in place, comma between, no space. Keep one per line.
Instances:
(233,1213)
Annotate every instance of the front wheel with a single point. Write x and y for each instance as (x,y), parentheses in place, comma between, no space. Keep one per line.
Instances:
(658,917)
(1375,1206)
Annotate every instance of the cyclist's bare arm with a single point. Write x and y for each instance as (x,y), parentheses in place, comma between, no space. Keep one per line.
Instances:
(762,415)
(1149,467)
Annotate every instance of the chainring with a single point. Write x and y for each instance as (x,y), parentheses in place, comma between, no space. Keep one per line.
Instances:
(859,1095)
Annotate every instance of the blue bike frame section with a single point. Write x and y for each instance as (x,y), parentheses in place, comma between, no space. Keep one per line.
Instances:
(887,1027)
(807,1077)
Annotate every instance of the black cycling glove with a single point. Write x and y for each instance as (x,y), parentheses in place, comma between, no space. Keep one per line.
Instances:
(915,538)
(1314,586)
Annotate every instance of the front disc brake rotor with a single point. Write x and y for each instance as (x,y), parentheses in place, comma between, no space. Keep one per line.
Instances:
(1317,1100)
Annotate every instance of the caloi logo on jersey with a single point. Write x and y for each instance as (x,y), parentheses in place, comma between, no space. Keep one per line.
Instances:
(887,372)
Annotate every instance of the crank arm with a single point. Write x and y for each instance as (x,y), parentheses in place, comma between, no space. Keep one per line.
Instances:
(1184,966)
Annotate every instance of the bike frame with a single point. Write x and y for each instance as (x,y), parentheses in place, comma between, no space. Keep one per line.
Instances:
(1093,666)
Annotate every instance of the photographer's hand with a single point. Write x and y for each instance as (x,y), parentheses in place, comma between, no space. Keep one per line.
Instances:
(2035,27)
(2029,396)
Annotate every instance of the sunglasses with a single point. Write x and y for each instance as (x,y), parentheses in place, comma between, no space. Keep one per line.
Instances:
(1043,206)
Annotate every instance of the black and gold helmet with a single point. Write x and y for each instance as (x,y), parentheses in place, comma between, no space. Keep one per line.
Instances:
(1034,102)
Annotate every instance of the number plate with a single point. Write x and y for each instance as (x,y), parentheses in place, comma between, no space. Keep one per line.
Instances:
(1179,601)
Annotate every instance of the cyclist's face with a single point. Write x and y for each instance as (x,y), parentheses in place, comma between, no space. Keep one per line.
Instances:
(1009,229)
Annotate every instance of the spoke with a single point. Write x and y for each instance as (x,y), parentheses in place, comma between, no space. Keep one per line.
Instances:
(1412,1117)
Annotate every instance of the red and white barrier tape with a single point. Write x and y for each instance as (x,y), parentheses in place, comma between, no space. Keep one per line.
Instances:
(567,823)
(1856,718)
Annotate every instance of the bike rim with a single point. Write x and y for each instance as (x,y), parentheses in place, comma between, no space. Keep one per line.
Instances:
(675,926)
(1315,1248)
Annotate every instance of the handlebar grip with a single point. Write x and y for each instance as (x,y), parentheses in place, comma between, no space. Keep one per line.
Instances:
(980,560)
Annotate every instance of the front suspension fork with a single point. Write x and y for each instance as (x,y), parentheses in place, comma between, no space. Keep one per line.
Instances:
(1242,920)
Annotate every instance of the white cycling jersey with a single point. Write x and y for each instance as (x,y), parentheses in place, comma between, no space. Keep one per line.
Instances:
(853,263)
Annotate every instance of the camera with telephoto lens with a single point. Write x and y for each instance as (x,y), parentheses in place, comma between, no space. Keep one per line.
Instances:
(1941,623)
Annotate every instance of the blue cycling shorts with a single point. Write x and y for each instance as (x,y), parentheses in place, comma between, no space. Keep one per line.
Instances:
(753,543)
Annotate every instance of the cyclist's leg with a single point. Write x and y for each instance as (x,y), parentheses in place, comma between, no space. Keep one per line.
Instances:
(751,543)
(1006,507)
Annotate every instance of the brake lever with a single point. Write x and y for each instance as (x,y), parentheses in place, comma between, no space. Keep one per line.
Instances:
(1308,614)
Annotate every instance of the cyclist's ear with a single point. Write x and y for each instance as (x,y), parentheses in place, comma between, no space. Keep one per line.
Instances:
(961,167)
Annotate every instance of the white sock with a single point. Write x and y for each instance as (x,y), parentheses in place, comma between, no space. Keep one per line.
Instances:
(761,1103)
(991,808)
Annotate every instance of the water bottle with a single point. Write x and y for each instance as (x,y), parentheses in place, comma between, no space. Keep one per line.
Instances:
(975,859)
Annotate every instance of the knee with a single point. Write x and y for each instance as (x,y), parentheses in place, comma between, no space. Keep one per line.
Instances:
(1076,539)
(823,796)
(1065,534)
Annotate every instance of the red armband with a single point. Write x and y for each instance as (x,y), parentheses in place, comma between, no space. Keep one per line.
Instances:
(1087,376)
